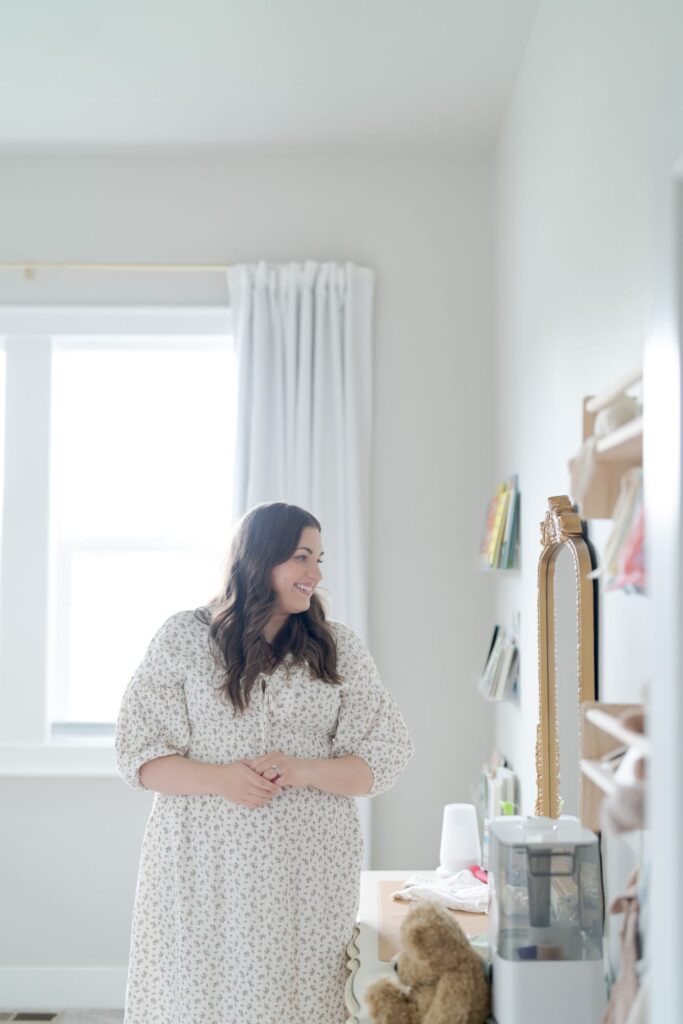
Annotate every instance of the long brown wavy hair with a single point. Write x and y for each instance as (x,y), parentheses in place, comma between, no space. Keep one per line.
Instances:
(266,536)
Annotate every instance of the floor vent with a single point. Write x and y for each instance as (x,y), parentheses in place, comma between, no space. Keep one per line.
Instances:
(27,1016)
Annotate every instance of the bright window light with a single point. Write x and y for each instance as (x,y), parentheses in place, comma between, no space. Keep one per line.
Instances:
(142,453)
(3,358)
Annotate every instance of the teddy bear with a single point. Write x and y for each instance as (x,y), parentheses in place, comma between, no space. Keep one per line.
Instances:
(441,977)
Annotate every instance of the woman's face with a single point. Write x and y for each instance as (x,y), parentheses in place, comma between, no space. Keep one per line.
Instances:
(294,581)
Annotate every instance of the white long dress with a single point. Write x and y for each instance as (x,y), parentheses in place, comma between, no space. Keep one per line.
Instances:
(242,915)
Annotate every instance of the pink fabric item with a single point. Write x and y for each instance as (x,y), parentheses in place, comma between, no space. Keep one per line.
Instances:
(631,562)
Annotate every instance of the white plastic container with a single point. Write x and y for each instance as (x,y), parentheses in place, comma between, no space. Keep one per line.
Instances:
(460,846)
(546,922)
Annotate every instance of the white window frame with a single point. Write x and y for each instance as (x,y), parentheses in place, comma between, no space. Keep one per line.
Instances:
(27,747)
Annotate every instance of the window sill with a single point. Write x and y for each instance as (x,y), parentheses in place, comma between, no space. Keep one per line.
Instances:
(84,758)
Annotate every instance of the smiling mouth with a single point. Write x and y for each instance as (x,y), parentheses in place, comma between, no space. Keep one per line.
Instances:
(303,589)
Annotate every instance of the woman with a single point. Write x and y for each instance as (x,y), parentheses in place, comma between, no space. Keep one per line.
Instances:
(256,721)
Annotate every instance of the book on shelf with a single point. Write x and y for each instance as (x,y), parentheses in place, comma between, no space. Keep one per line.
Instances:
(498,548)
(505,677)
(499,526)
(498,791)
(488,678)
(496,631)
(508,553)
(489,520)
(498,681)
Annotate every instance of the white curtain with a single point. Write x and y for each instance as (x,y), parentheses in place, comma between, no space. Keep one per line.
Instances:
(303,335)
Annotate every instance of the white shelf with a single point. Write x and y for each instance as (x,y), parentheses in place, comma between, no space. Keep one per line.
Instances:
(604,399)
(602,734)
(625,444)
(601,776)
(611,725)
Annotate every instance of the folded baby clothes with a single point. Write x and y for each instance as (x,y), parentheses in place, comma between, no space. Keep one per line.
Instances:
(460,891)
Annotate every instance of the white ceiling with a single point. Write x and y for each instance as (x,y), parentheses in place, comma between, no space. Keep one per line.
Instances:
(409,74)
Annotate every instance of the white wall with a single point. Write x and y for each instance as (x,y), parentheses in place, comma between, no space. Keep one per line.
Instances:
(584,227)
(425,226)
(575,180)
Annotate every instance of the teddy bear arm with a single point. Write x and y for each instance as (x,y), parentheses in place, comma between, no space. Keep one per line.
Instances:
(390,1004)
(461,997)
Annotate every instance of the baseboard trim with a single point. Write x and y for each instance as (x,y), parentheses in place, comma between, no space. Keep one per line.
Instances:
(61,988)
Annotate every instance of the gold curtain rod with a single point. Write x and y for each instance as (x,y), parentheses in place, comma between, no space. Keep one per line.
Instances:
(29,267)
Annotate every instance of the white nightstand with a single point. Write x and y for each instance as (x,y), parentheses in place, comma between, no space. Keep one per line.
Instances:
(364,961)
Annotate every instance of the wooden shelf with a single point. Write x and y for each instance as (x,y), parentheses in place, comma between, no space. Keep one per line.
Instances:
(613,454)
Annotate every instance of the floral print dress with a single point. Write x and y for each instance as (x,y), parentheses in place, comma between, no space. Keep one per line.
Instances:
(242,915)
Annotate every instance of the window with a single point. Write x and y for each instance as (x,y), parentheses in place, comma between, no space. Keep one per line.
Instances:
(142,441)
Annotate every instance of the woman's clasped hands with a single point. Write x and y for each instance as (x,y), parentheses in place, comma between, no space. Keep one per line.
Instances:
(253,783)
(282,769)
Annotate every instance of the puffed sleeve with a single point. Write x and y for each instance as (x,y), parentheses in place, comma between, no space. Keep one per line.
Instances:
(369,723)
(153,720)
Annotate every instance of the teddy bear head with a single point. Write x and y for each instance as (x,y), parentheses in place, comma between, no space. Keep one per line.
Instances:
(432,942)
